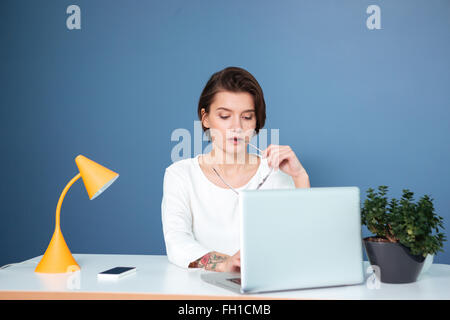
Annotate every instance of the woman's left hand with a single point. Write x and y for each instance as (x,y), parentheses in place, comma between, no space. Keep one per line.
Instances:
(283,157)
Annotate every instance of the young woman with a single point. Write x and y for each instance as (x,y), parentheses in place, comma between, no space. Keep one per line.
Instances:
(200,195)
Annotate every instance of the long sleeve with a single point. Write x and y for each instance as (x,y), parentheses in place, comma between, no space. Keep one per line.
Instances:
(283,181)
(181,245)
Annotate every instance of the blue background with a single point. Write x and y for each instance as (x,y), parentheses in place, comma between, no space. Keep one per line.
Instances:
(359,107)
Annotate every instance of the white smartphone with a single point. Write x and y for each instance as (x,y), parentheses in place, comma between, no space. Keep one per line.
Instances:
(115,273)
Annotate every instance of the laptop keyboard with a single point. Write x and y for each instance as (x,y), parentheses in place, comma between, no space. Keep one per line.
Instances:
(235,280)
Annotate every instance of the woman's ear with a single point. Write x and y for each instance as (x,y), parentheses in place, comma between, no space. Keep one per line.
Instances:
(205,121)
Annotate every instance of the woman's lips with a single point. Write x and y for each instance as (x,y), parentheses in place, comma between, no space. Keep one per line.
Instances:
(235,140)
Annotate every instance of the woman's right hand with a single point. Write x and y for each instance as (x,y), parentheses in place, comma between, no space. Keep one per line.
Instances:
(233,263)
(216,261)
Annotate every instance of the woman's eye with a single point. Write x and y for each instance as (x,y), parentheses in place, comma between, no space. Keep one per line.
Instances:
(246,118)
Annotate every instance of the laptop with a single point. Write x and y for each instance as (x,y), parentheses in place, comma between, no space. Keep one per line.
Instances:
(296,239)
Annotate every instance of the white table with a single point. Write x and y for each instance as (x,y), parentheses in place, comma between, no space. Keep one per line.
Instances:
(156,278)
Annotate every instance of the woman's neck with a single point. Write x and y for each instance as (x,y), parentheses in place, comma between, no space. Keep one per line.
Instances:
(230,164)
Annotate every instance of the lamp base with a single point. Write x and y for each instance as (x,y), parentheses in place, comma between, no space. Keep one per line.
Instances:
(57,258)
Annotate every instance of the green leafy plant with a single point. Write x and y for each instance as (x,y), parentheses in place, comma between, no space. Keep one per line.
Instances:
(409,223)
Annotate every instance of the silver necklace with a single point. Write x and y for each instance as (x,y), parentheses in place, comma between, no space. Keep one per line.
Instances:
(259,185)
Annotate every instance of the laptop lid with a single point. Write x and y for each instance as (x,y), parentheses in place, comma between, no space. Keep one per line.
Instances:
(300,238)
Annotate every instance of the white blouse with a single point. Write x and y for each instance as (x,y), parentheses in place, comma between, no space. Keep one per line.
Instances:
(198,216)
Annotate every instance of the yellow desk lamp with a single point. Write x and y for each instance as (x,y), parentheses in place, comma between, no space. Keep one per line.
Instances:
(57,258)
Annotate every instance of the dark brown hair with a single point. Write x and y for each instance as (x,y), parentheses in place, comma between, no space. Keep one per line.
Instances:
(234,79)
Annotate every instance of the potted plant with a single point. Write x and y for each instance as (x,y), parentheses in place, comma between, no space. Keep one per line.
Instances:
(403,234)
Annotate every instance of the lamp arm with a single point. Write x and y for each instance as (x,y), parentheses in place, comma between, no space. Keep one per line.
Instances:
(61,198)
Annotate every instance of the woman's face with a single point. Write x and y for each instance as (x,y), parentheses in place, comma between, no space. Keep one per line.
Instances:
(231,120)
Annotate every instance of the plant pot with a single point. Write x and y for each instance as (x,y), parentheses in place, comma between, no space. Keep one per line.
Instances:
(396,263)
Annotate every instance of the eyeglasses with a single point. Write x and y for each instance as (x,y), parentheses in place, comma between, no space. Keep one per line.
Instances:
(259,185)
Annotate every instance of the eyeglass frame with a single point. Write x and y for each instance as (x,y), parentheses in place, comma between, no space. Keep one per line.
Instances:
(259,185)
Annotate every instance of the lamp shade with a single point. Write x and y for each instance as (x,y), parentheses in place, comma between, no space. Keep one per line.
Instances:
(96,177)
